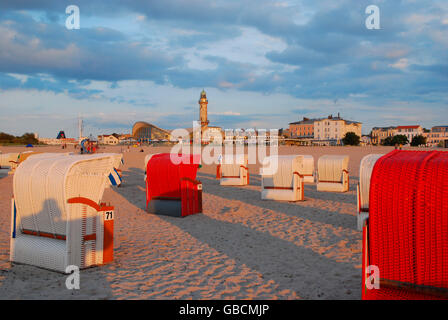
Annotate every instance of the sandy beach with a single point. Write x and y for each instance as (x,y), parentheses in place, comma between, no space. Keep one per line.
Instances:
(240,247)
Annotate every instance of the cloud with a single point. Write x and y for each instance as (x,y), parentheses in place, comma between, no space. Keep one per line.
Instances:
(127,53)
(401,64)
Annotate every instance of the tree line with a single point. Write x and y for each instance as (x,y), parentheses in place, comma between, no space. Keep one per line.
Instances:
(401,139)
(352,139)
(26,138)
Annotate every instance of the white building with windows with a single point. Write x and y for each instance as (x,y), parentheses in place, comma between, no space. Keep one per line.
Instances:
(108,139)
(332,130)
(409,131)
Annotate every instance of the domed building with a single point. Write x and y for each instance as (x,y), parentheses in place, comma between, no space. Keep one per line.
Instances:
(143,131)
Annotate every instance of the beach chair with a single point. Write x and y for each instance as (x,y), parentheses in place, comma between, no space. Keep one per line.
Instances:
(57,218)
(363,188)
(406,233)
(233,172)
(286,183)
(172,188)
(6,159)
(332,173)
(20,158)
(308,169)
(146,160)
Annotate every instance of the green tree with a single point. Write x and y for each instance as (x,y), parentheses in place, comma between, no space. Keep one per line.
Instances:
(418,141)
(351,139)
(6,138)
(388,141)
(400,139)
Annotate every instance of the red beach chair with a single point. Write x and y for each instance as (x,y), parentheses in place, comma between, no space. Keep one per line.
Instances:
(406,233)
(172,188)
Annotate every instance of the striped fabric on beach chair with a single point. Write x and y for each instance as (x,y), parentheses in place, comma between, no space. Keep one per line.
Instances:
(57,219)
(171,186)
(365,172)
(287,183)
(233,172)
(332,173)
(116,175)
(406,233)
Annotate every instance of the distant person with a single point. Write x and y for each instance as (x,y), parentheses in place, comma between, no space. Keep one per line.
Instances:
(82,150)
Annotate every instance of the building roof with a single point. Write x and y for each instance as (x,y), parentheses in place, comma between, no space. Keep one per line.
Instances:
(141,124)
(307,121)
(383,128)
(340,119)
(408,127)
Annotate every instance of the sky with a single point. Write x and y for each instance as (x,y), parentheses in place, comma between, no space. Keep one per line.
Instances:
(263,63)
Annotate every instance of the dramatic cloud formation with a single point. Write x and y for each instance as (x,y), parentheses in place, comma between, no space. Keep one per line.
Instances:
(264,63)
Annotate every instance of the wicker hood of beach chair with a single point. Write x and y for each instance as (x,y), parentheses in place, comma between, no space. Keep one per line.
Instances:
(286,183)
(234,171)
(406,233)
(171,185)
(332,173)
(365,172)
(57,219)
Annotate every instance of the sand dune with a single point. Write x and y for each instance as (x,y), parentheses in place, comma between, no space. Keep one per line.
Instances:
(240,248)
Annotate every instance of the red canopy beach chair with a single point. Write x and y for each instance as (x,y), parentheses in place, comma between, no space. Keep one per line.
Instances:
(406,232)
(171,187)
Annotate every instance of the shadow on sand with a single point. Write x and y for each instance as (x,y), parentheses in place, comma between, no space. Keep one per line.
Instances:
(308,273)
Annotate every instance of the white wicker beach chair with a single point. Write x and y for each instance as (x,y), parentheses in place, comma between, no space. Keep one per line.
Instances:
(57,219)
(6,159)
(287,183)
(146,160)
(332,174)
(233,172)
(307,169)
(363,190)
(20,158)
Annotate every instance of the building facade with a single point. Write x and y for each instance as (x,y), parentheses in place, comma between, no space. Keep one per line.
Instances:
(380,134)
(108,139)
(437,136)
(302,129)
(143,131)
(333,129)
(56,141)
(409,131)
